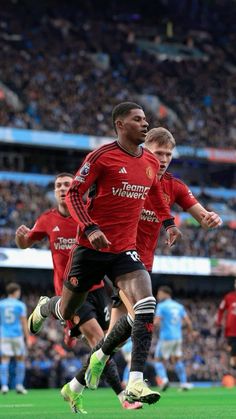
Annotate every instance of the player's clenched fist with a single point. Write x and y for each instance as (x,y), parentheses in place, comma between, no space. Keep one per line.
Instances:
(22,231)
(98,240)
(21,237)
(173,234)
(210,220)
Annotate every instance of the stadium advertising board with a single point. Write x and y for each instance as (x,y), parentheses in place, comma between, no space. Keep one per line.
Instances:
(41,259)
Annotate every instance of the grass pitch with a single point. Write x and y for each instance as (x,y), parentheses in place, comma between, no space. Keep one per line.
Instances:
(213,403)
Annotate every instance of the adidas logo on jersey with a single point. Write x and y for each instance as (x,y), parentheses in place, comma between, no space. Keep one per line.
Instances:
(122,170)
(56,229)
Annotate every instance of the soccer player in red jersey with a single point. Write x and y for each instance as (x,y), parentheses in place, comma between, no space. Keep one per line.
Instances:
(123,174)
(161,143)
(228,308)
(93,317)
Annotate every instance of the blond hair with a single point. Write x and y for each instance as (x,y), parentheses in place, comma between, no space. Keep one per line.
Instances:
(161,136)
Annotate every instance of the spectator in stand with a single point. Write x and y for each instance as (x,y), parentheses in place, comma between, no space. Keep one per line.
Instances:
(192,87)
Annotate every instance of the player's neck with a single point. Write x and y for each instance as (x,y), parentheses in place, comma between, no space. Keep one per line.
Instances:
(63,210)
(129,147)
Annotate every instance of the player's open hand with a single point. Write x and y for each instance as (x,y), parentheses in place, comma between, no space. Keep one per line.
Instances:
(98,240)
(173,234)
(22,231)
(210,220)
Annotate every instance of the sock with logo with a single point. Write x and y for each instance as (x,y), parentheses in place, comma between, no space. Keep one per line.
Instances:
(51,308)
(142,333)
(119,334)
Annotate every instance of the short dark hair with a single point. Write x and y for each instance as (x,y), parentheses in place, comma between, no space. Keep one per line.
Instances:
(122,110)
(63,174)
(12,287)
(166,289)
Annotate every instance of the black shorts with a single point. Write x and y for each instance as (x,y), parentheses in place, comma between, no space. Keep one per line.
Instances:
(96,307)
(232,343)
(87,267)
(116,300)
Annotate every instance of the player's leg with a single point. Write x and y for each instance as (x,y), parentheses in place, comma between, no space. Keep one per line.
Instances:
(82,267)
(19,354)
(20,375)
(62,308)
(94,321)
(162,354)
(136,285)
(180,367)
(4,368)
(232,345)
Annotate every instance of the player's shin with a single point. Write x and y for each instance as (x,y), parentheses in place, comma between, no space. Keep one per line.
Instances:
(137,390)
(119,334)
(141,335)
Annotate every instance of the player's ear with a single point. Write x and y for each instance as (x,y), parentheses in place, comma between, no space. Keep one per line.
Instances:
(119,123)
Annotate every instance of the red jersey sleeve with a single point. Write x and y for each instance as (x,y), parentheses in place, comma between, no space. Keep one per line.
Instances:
(39,230)
(161,206)
(220,312)
(184,196)
(85,177)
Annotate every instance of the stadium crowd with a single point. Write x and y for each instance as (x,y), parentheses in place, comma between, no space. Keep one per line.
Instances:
(22,203)
(68,70)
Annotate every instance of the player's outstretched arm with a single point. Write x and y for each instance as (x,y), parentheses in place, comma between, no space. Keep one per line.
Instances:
(207,219)
(21,237)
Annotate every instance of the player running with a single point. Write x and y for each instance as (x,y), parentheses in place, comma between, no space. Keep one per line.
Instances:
(161,143)
(228,308)
(93,317)
(123,173)
(169,319)
(14,337)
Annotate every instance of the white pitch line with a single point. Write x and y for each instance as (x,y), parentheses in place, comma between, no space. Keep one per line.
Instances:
(16,405)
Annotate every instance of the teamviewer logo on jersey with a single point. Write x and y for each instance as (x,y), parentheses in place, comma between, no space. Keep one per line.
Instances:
(122,170)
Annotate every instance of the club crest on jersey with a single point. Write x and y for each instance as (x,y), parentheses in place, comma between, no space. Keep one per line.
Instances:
(166,197)
(84,171)
(149,172)
(74,281)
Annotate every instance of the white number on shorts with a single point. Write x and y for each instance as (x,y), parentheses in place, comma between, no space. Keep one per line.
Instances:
(107,314)
(134,255)
(9,315)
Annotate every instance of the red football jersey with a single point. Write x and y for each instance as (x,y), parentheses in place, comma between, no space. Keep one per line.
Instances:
(228,306)
(122,182)
(149,225)
(61,233)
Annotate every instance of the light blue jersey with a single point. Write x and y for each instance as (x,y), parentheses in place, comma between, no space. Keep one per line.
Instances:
(11,311)
(171,314)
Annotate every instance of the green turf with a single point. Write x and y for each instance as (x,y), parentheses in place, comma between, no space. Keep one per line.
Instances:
(213,403)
